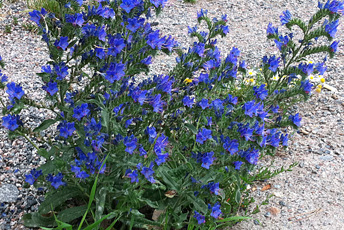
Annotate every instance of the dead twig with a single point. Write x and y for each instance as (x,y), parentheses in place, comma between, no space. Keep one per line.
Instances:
(305,215)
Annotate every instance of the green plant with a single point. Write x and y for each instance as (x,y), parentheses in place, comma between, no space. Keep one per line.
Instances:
(185,144)
(15,21)
(29,27)
(8,29)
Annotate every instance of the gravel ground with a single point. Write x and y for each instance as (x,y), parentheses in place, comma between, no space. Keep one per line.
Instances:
(309,197)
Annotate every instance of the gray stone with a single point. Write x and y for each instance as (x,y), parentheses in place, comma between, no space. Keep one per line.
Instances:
(8,193)
(326,158)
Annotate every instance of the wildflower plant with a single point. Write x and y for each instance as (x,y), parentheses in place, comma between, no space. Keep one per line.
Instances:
(186,144)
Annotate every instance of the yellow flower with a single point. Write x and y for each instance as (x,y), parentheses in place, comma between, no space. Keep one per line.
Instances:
(311,77)
(251,73)
(310,62)
(318,90)
(275,78)
(187,81)
(322,80)
(251,80)
(319,86)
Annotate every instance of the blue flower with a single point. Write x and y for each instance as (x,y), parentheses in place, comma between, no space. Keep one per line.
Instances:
(100,53)
(334,6)
(306,86)
(211,64)
(154,41)
(282,42)
(242,64)
(105,12)
(203,103)
(334,46)
(66,129)
(331,28)
(78,173)
(233,56)
(35,16)
(271,30)
(158,3)
(14,90)
(4,78)
(237,164)
(79,2)
(76,19)
(62,43)
(133,175)
(147,60)
(157,103)
(207,159)
(200,219)
(116,45)
(260,92)
(188,101)
(160,144)
(215,210)
(275,109)
(214,187)
(51,88)
(296,119)
(273,62)
(218,107)
(192,29)
(204,77)
(130,144)
(232,146)
(11,122)
(198,48)
(202,13)
(32,177)
(151,131)
(246,132)
(134,24)
(115,72)
(81,111)
(251,108)
(284,139)
(56,181)
(252,156)
(203,135)
(285,18)
(61,71)
(274,140)
(128,5)
(148,173)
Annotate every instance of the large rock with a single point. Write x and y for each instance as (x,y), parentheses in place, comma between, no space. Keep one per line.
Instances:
(8,193)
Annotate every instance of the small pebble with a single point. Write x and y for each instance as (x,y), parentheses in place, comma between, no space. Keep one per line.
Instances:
(282,203)
(267,214)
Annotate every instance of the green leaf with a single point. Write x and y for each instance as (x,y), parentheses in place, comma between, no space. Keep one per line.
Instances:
(57,198)
(48,167)
(98,222)
(167,179)
(191,127)
(44,153)
(100,202)
(45,124)
(35,220)
(298,22)
(238,196)
(197,203)
(105,119)
(70,214)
